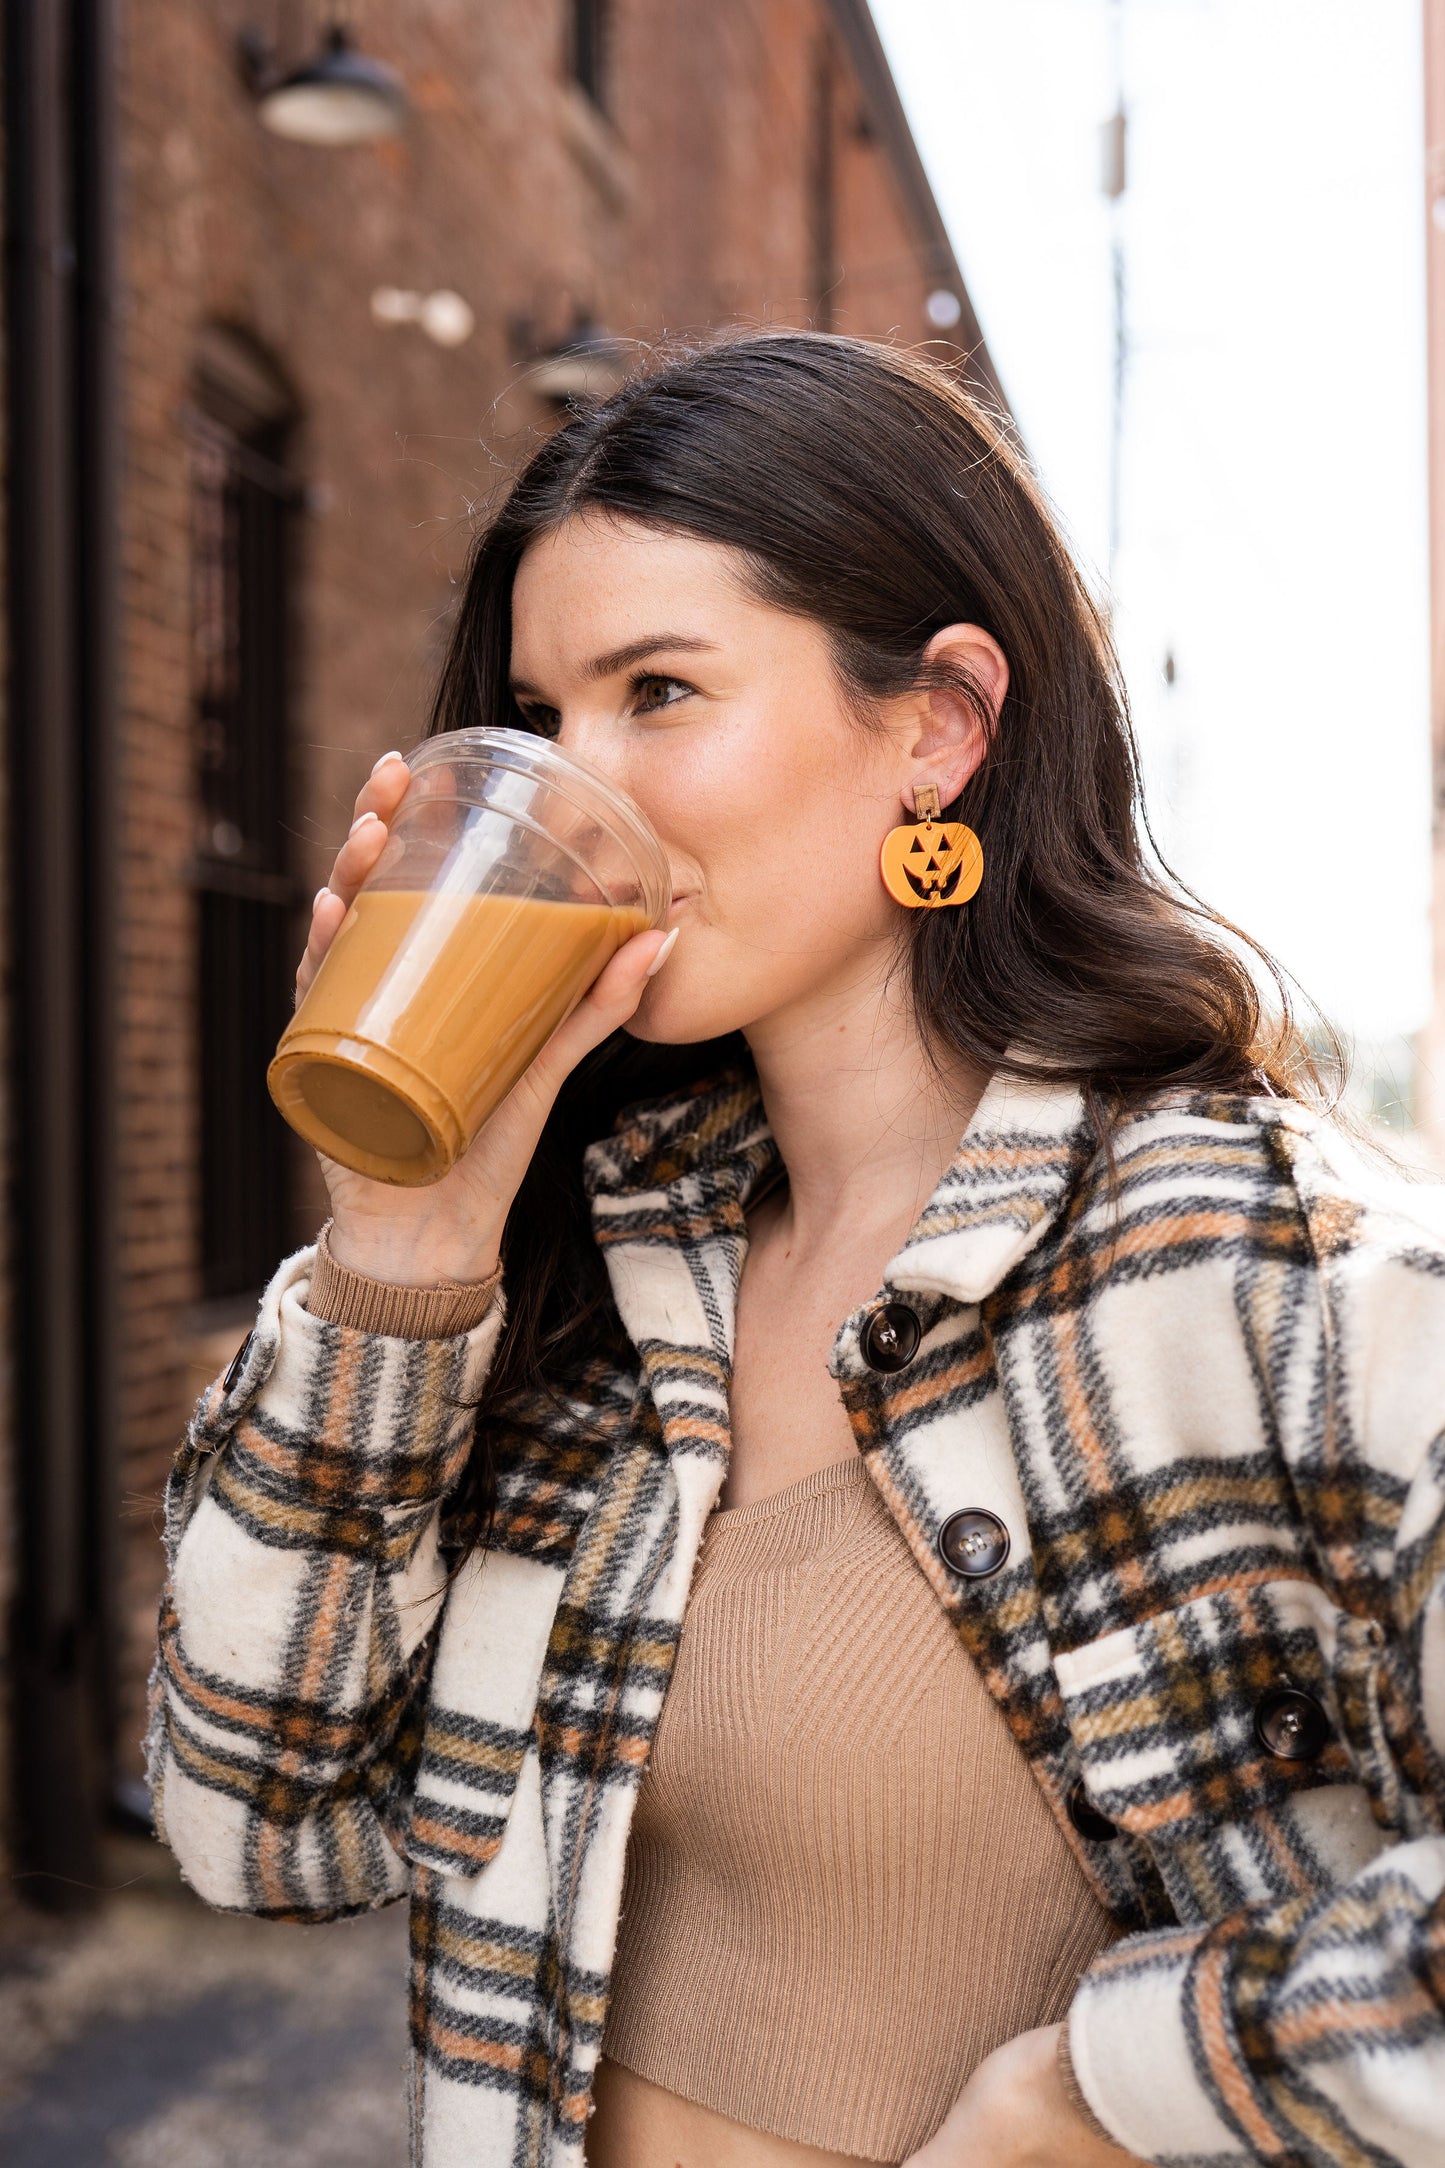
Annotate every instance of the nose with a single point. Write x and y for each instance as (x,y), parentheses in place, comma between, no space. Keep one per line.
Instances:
(593,742)
(598,741)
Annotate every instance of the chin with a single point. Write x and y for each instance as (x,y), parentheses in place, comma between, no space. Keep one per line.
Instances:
(666,1032)
(674,1016)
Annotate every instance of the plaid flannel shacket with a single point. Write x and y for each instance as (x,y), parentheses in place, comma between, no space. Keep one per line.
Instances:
(1208,1402)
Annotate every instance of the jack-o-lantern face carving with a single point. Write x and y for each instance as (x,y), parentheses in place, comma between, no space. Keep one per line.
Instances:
(930,863)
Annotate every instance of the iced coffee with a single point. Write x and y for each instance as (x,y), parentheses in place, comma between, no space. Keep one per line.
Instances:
(512,873)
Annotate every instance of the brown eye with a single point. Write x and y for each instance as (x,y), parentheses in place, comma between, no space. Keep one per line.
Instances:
(654,692)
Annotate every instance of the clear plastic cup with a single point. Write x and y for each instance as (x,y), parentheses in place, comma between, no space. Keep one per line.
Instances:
(512,873)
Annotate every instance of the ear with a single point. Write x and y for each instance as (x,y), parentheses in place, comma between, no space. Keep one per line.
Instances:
(949,739)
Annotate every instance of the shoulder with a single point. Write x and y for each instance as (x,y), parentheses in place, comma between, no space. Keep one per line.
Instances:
(1185,1182)
(1249,1247)
(1225,1170)
(1232,1277)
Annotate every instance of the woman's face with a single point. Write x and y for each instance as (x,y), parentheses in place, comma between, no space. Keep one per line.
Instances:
(722,717)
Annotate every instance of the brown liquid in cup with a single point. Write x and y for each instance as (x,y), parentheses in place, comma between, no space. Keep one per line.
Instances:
(419,1022)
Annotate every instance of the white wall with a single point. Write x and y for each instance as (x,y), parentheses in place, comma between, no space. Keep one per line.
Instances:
(1273,529)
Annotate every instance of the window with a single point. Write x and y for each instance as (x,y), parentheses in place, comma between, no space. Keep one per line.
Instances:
(243,505)
(589,49)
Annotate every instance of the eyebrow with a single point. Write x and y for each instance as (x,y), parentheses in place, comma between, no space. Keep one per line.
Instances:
(619,658)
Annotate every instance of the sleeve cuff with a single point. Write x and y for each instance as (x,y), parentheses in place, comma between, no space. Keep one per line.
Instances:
(329,1432)
(1129,2051)
(1074,2092)
(343,1297)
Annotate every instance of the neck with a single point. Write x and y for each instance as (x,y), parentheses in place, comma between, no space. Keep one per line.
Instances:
(865,1120)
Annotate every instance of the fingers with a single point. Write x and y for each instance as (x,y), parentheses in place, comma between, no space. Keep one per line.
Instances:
(355,859)
(611,1001)
(357,856)
(327,912)
(376,802)
(615,993)
(384,788)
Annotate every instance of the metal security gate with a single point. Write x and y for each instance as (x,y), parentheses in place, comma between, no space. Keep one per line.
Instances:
(244,505)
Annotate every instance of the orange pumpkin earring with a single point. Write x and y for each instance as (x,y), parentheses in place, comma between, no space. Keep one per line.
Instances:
(933,861)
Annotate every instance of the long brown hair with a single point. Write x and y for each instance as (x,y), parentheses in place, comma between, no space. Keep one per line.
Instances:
(864,488)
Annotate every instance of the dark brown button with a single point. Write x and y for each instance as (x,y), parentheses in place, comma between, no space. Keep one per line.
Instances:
(238,1363)
(974,1542)
(1087,1819)
(1291,1725)
(891,1337)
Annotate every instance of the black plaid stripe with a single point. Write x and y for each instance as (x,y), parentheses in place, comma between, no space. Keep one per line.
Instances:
(339,1745)
(1214,1207)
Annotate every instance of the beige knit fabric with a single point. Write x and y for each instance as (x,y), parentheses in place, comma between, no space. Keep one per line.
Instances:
(843,1887)
(345,1297)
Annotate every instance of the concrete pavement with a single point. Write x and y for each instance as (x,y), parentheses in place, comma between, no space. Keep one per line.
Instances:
(158,2034)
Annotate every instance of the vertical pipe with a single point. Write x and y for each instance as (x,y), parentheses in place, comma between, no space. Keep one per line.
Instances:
(56,1734)
(97,528)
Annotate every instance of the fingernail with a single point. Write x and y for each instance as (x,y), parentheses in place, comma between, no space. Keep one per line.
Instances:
(361,821)
(315,900)
(392,755)
(663,953)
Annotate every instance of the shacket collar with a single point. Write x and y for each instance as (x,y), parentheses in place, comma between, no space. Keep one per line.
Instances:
(702,1156)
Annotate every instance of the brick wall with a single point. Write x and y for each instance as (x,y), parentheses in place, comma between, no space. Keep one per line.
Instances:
(699,201)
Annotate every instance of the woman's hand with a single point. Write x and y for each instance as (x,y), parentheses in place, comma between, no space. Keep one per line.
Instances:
(452,1229)
(1015,2113)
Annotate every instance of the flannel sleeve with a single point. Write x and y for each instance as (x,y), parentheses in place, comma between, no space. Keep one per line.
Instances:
(303,1591)
(1313,2031)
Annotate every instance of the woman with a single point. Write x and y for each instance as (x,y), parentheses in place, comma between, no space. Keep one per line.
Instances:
(890,1647)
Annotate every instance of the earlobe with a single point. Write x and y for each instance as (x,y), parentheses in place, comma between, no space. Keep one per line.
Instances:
(951,740)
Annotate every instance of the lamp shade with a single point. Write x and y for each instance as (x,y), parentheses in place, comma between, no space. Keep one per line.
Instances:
(339,97)
(589,366)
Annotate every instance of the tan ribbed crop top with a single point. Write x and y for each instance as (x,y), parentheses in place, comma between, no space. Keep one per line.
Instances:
(843,1887)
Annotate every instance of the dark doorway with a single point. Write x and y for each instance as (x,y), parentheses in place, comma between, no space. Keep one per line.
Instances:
(245,499)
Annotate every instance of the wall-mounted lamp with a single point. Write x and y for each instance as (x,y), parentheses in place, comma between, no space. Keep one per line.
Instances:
(339,96)
(443,316)
(589,366)
(943,308)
